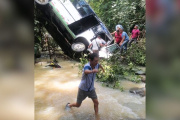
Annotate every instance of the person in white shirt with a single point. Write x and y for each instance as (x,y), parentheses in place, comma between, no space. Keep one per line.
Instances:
(96,44)
(103,42)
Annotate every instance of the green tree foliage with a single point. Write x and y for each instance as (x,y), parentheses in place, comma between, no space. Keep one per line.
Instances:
(124,12)
(38,27)
(42,40)
(136,54)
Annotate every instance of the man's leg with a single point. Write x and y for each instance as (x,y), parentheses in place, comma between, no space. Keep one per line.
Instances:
(80,97)
(135,40)
(68,106)
(121,51)
(130,42)
(74,105)
(96,103)
(125,46)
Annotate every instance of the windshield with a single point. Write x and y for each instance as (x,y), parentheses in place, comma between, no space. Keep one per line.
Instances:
(82,7)
(83,24)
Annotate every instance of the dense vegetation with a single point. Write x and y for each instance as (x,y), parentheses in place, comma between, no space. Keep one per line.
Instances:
(43,41)
(124,12)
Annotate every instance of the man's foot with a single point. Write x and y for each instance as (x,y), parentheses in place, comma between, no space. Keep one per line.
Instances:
(97,117)
(67,108)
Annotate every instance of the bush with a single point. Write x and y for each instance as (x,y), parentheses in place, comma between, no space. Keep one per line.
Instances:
(136,54)
(83,61)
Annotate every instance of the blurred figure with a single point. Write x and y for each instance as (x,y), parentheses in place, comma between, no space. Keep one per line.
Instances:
(134,35)
(16,60)
(163,21)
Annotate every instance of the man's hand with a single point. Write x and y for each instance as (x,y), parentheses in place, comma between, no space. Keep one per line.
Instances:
(120,43)
(90,46)
(100,66)
(95,70)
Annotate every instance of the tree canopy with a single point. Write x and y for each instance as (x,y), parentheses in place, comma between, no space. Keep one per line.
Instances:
(124,12)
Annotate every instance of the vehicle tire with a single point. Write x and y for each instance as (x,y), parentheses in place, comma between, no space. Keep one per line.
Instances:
(80,45)
(42,2)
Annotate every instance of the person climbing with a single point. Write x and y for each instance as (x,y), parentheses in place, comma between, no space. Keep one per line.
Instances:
(96,44)
(86,87)
(124,41)
(117,35)
(134,35)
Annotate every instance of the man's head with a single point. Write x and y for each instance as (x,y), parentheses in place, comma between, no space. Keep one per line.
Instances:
(117,30)
(98,36)
(93,58)
(121,29)
(136,27)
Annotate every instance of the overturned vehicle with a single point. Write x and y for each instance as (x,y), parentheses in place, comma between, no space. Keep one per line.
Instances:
(73,25)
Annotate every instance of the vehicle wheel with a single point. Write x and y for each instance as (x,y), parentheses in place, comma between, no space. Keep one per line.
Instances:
(42,2)
(80,45)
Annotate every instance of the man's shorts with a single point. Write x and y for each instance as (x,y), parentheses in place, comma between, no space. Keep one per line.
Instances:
(83,94)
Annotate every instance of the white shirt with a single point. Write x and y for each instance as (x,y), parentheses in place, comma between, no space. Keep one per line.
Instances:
(96,43)
(103,41)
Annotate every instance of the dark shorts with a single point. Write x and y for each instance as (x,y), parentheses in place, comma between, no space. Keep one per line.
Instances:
(83,94)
